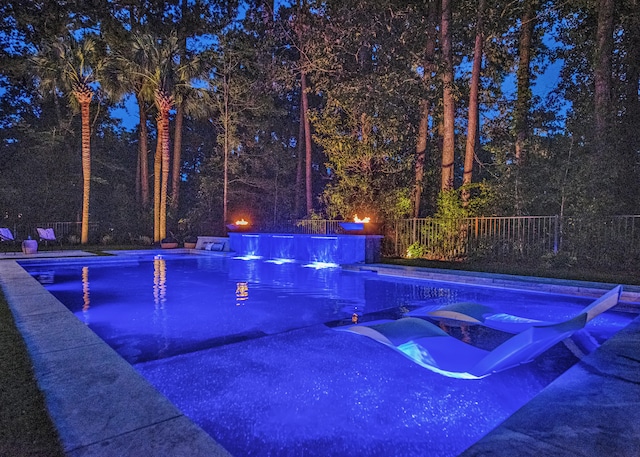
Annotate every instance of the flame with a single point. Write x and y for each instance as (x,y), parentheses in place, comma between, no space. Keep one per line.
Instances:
(241,222)
(365,220)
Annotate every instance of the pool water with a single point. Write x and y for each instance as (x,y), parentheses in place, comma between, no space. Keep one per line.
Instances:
(249,351)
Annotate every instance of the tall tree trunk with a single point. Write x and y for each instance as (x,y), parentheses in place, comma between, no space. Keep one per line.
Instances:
(138,171)
(157,171)
(472,123)
(84,98)
(421,153)
(177,158)
(628,185)
(602,72)
(523,76)
(301,150)
(177,133)
(425,106)
(448,140)
(225,183)
(307,142)
(165,173)
(143,149)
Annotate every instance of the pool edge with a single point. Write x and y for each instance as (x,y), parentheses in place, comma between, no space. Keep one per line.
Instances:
(170,431)
(99,404)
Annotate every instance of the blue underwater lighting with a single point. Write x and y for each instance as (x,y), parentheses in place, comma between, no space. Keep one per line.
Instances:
(321,265)
(248,257)
(249,351)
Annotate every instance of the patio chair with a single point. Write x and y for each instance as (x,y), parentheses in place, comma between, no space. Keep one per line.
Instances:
(47,235)
(431,347)
(6,237)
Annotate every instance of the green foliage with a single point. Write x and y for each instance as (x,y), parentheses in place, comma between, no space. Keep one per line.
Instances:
(446,234)
(367,74)
(417,251)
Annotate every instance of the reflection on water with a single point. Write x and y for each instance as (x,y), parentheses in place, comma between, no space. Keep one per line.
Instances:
(216,365)
(159,281)
(159,300)
(242,293)
(86,302)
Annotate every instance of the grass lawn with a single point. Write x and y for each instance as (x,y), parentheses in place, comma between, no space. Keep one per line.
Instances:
(522,269)
(25,427)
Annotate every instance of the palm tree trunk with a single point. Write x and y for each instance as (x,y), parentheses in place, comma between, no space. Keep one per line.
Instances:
(472,123)
(165,173)
(448,140)
(177,161)
(144,153)
(86,167)
(157,170)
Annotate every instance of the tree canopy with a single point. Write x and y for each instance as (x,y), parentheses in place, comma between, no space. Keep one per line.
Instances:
(378,106)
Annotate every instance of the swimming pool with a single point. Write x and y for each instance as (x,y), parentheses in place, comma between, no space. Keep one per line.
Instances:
(242,348)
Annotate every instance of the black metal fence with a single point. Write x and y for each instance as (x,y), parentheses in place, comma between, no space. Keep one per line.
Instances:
(596,241)
(304,226)
(64,231)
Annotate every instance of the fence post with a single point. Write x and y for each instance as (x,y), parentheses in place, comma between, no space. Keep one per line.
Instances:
(555,234)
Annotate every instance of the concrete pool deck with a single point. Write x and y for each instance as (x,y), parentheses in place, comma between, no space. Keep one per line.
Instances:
(102,406)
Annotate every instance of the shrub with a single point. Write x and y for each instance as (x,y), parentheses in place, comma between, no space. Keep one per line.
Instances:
(417,251)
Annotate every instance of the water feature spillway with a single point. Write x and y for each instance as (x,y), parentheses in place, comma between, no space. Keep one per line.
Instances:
(339,249)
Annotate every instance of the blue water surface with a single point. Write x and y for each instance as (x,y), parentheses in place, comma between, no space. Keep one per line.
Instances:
(249,351)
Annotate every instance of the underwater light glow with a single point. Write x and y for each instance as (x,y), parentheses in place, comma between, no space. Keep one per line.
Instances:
(280,261)
(248,257)
(321,265)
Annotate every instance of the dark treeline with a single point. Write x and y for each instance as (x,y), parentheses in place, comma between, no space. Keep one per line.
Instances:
(272,111)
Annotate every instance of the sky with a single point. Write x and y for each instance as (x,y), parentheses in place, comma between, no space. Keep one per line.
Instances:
(542,87)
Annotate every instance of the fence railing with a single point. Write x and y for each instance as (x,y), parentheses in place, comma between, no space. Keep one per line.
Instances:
(609,240)
(598,240)
(458,238)
(62,230)
(305,226)
(612,240)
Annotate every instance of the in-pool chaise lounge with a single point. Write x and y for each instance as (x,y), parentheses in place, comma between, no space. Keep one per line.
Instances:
(475,313)
(431,347)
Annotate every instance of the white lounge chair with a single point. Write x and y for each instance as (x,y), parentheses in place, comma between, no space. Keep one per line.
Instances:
(431,347)
(6,237)
(47,235)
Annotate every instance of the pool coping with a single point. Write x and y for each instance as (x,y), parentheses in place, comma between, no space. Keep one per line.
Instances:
(102,406)
(99,404)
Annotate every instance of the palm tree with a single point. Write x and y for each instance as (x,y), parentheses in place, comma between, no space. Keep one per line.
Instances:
(164,76)
(71,65)
(189,102)
(127,75)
